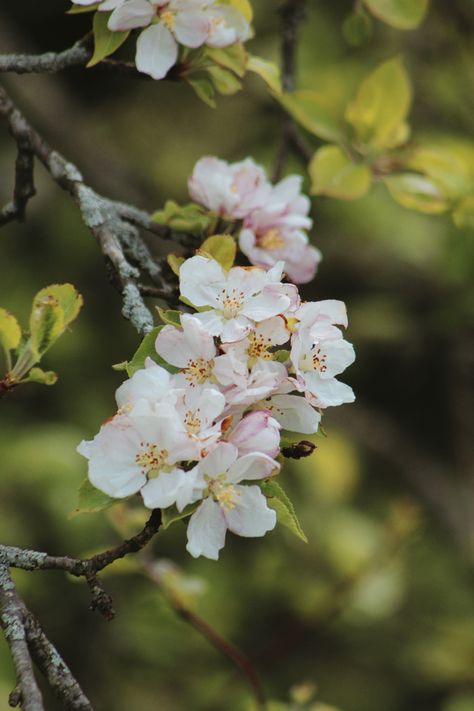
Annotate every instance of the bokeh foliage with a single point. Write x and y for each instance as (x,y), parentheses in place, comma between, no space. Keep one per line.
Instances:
(377,610)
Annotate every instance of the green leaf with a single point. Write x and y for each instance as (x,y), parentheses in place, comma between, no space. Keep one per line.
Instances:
(225,82)
(105,41)
(80,9)
(45,377)
(463,215)
(234,57)
(401,14)
(171,514)
(315,112)
(204,89)
(333,173)
(186,218)
(54,307)
(279,501)
(358,27)
(10,331)
(91,500)
(380,107)
(173,318)
(222,248)
(243,6)
(416,192)
(266,70)
(445,167)
(175,262)
(145,350)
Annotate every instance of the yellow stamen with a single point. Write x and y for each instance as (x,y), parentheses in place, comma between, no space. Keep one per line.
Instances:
(271,239)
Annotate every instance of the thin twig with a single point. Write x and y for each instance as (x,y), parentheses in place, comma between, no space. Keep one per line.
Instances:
(222,645)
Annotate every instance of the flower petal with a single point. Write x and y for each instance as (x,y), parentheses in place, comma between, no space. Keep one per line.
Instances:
(206,531)
(251,517)
(131,14)
(162,491)
(157,51)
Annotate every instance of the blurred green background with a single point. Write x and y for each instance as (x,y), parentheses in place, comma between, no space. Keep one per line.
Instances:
(378,609)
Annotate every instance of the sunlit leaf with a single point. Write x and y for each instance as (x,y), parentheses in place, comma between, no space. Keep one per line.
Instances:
(443,165)
(175,262)
(243,6)
(225,81)
(380,106)
(315,112)
(184,218)
(266,70)
(44,377)
(145,350)
(333,173)
(79,9)
(285,511)
(10,331)
(463,215)
(222,248)
(416,192)
(233,57)
(53,310)
(401,14)
(105,41)
(170,316)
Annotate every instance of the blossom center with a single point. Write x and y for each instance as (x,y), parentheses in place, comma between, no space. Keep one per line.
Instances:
(232,303)
(271,239)
(258,346)
(226,495)
(314,360)
(168,19)
(198,370)
(192,421)
(150,457)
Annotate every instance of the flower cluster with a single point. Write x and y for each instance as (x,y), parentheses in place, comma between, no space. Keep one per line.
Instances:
(274,216)
(170,23)
(202,431)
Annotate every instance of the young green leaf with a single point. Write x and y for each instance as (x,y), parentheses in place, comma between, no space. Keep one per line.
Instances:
(222,248)
(105,41)
(145,350)
(175,262)
(171,514)
(243,6)
(266,70)
(333,173)
(380,107)
(225,81)
(54,307)
(416,192)
(91,500)
(285,511)
(358,27)
(10,331)
(234,57)
(44,377)
(173,318)
(401,14)
(204,89)
(314,112)
(463,215)
(79,9)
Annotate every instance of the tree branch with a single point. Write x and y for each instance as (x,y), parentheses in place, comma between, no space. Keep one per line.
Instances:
(115,225)
(12,621)
(292,14)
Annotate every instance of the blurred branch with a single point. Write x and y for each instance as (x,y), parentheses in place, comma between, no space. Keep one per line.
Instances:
(292,14)
(115,225)
(222,645)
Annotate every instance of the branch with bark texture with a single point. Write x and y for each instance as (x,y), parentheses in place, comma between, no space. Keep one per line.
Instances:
(115,225)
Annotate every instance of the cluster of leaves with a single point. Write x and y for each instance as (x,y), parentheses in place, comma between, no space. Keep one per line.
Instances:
(371,143)
(53,309)
(400,14)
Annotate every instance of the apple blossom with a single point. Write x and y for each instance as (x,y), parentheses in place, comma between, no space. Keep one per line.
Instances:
(227,505)
(257,432)
(139,453)
(237,299)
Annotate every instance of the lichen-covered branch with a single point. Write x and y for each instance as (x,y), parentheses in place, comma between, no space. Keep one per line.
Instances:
(50,62)
(115,225)
(12,621)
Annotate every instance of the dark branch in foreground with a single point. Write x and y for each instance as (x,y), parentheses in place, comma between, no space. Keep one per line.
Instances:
(292,14)
(115,225)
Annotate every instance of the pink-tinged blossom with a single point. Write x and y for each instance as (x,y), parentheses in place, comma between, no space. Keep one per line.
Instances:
(226,504)
(317,357)
(227,26)
(293,412)
(232,190)
(147,387)
(190,348)
(237,299)
(199,409)
(244,387)
(329,311)
(257,432)
(139,454)
(258,344)
(274,232)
